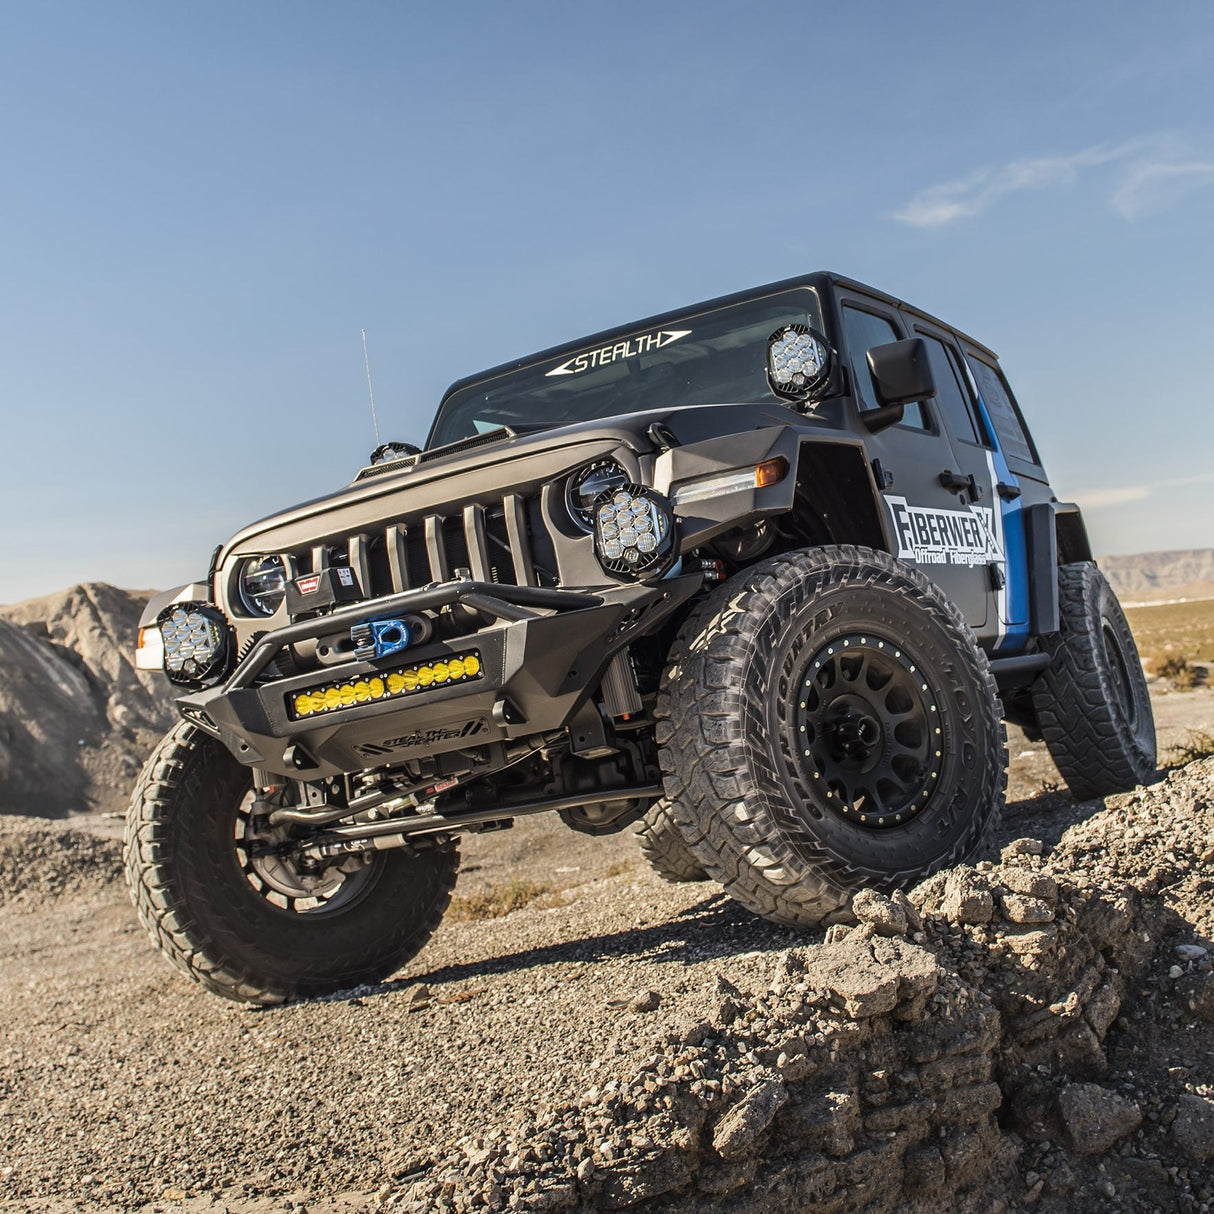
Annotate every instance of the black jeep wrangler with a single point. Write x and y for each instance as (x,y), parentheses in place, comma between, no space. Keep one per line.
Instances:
(764,574)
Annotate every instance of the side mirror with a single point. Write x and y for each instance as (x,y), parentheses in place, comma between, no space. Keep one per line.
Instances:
(901,374)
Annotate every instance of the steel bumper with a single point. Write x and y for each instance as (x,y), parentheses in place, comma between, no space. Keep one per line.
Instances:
(542,654)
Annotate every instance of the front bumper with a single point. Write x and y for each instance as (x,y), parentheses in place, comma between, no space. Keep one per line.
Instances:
(544,653)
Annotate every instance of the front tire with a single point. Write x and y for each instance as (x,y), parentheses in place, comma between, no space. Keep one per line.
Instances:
(254,930)
(828,722)
(1092,702)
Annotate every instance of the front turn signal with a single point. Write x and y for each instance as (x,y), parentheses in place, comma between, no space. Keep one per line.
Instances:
(771,472)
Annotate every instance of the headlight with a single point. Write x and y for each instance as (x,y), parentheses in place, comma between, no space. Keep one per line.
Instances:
(197,643)
(633,531)
(263,582)
(798,360)
(587,485)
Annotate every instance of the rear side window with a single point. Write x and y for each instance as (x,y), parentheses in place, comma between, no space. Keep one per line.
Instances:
(1001,407)
(865,330)
(950,395)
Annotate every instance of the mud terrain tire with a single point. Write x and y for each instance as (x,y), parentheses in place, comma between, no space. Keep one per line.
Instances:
(663,847)
(746,719)
(186,879)
(1092,702)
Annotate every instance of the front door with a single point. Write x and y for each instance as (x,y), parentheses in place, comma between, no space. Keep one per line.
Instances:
(980,474)
(933,524)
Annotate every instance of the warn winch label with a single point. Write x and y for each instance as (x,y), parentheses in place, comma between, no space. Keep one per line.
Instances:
(930,535)
(622,349)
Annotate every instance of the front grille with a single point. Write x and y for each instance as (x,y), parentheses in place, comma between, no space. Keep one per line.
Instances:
(502,542)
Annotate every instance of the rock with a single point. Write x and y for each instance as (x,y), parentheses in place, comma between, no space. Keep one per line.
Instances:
(1193,1128)
(886,916)
(1197,992)
(1096,1118)
(1019,908)
(927,895)
(1191,952)
(914,921)
(1102,1009)
(646,1001)
(967,898)
(736,1132)
(1021,847)
(417,997)
(871,977)
(1033,884)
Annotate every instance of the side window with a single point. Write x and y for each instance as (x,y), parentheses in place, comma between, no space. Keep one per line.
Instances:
(1001,408)
(950,395)
(865,330)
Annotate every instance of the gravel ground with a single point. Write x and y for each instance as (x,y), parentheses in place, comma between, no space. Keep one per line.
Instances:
(124,1086)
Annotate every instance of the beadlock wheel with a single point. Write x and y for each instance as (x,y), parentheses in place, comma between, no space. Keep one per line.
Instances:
(828,722)
(246,920)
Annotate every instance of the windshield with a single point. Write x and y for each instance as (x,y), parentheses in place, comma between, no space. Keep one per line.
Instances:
(704,358)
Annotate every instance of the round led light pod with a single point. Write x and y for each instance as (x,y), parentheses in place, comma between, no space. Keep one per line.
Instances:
(634,532)
(197,643)
(798,361)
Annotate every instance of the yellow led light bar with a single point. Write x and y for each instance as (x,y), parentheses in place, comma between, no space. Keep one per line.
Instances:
(387,685)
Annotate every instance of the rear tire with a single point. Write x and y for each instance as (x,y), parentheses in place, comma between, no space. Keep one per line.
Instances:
(222,918)
(1092,702)
(828,722)
(663,847)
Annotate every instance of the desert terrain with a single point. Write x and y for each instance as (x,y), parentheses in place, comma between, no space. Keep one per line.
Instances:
(1032,1031)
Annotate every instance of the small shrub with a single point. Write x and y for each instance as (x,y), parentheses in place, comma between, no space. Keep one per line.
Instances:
(1176,668)
(498,900)
(619,868)
(1198,745)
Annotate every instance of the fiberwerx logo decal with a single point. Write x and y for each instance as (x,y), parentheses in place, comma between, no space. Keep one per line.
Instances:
(931,535)
(429,737)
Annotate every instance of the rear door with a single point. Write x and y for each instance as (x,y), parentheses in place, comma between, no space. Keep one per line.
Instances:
(929,526)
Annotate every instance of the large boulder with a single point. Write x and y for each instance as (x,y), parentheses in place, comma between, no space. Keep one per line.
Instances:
(76,717)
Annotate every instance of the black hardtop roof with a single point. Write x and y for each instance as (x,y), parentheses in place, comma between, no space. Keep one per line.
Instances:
(819,278)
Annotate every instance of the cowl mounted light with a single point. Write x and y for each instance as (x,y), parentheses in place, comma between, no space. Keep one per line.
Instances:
(798,361)
(197,643)
(634,532)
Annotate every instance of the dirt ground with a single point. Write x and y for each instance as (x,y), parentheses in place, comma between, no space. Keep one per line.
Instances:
(123,1086)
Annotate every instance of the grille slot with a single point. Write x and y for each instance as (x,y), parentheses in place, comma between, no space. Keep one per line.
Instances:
(494,542)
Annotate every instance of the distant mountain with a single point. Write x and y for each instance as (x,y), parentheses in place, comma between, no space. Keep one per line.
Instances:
(1184,573)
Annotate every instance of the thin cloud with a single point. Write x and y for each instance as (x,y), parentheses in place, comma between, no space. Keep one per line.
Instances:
(1097,499)
(1151,186)
(1120,495)
(1153,174)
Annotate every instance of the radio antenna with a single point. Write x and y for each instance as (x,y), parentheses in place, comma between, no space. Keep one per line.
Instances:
(370,390)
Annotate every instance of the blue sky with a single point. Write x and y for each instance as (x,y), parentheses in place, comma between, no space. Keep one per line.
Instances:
(204,204)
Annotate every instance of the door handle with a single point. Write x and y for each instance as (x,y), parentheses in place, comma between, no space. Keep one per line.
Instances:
(1009,493)
(954,482)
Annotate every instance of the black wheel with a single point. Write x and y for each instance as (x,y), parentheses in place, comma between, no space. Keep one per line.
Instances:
(258,927)
(1092,702)
(663,847)
(828,722)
